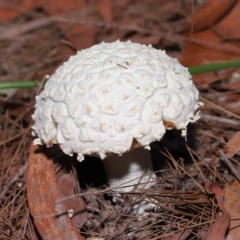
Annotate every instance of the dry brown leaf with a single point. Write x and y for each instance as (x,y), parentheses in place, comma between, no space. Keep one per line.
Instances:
(217,190)
(233,145)
(206,47)
(66,184)
(210,13)
(51,220)
(63,7)
(232,205)
(81,36)
(105,9)
(213,44)
(222,221)
(12,9)
(118,6)
(219,228)
(180,236)
(229,26)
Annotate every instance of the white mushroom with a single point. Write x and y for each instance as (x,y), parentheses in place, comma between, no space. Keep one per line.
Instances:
(112,100)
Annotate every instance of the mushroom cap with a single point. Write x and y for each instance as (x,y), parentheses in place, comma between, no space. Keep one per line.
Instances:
(106,97)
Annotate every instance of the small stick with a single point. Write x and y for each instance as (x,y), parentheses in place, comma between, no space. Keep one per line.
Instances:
(121,66)
(230,165)
(220,119)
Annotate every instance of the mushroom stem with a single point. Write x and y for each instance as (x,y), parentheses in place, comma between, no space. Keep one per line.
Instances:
(132,169)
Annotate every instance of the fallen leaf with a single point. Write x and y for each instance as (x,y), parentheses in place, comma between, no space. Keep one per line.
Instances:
(222,221)
(50,219)
(66,184)
(233,145)
(217,190)
(219,228)
(63,7)
(232,205)
(80,35)
(119,6)
(211,12)
(217,43)
(229,26)
(12,9)
(105,9)
(206,47)
(181,235)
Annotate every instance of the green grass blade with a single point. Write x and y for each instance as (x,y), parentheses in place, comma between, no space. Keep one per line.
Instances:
(17,84)
(213,67)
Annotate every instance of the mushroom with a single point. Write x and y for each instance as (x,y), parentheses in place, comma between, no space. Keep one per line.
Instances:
(112,100)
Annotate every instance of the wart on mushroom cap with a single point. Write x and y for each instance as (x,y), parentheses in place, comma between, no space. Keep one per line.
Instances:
(107,96)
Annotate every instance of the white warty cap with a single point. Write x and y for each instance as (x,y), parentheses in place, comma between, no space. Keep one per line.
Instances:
(107,96)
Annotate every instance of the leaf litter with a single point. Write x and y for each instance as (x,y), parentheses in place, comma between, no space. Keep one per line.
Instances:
(36,37)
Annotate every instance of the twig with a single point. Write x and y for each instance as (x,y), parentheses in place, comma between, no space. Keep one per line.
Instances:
(230,165)
(219,107)
(220,119)
(16,30)
(170,157)
(121,66)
